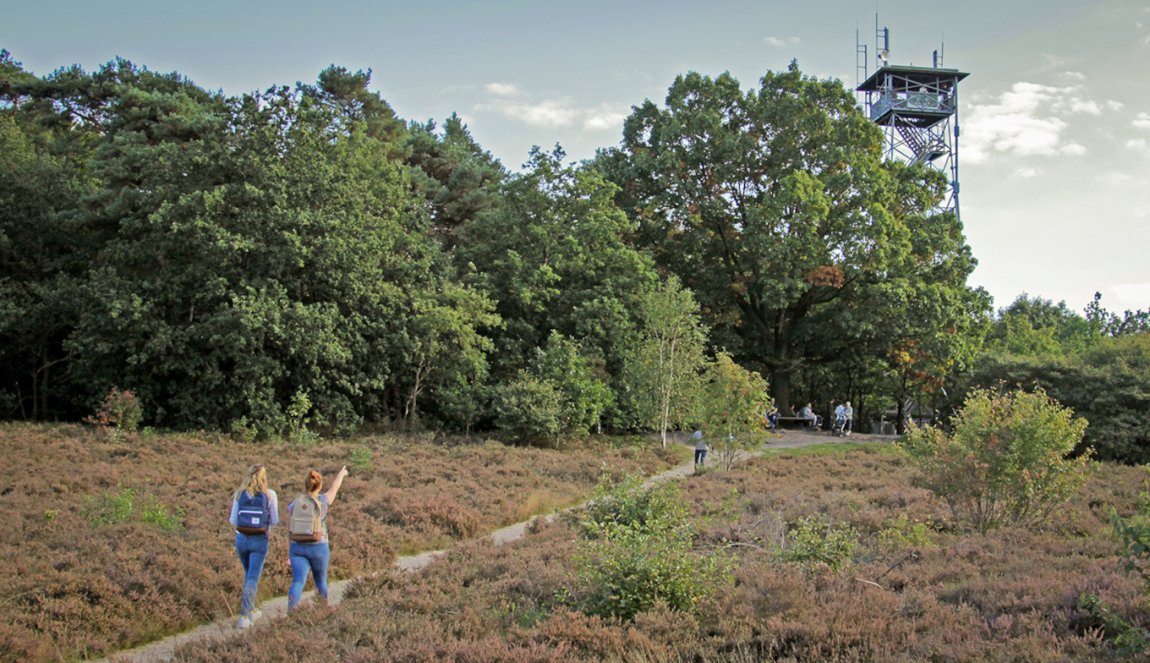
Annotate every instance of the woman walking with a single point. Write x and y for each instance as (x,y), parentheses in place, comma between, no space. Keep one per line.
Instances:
(255,508)
(309,549)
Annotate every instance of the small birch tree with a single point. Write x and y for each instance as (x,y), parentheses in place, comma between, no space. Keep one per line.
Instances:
(671,352)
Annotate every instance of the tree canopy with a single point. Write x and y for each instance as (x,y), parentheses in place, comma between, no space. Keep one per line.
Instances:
(303,257)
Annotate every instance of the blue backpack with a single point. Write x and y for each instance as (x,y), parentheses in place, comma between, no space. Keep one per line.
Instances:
(253,516)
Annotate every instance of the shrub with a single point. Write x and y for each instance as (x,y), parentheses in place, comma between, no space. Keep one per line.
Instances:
(1006,462)
(902,533)
(120,413)
(110,508)
(529,409)
(639,553)
(811,542)
(730,409)
(157,514)
(360,458)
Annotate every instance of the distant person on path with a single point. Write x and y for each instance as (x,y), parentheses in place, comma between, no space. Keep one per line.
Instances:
(307,530)
(848,415)
(701,448)
(805,412)
(255,508)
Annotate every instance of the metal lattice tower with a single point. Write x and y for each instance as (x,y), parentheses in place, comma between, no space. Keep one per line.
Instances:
(917,108)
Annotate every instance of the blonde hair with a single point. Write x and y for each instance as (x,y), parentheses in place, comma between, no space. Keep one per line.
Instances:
(255,482)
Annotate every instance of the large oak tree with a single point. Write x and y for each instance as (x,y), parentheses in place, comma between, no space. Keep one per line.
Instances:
(774,205)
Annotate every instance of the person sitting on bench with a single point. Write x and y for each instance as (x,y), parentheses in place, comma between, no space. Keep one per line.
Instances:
(805,412)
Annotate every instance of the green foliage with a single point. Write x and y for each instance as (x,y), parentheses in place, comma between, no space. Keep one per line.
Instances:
(585,395)
(811,542)
(661,375)
(1097,365)
(529,409)
(110,508)
(801,245)
(730,406)
(638,552)
(120,506)
(902,533)
(553,257)
(360,458)
(560,394)
(154,513)
(1006,461)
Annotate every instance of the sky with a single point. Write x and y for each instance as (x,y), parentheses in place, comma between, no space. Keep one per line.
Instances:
(1054,151)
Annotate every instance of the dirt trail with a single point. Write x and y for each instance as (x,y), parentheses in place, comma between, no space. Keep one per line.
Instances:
(164,650)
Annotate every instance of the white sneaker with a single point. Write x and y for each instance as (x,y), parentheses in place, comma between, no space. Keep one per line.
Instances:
(245,622)
(256,614)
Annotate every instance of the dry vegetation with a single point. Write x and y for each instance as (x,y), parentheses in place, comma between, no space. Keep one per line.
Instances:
(115,543)
(1011,595)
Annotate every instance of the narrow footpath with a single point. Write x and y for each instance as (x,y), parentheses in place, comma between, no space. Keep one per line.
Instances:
(164,650)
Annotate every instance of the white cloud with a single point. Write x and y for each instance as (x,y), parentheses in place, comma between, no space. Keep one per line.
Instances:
(548,113)
(1078,105)
(781,42)
(503,89)
(604,117)
(1114,105)
(1027,120)
(553,113)
(1137,144)
(1115,178)
(1142,121)
(1074,76)
(1129,296)
(1027,172)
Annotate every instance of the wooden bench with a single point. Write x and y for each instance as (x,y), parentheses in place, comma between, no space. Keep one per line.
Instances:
(797,421)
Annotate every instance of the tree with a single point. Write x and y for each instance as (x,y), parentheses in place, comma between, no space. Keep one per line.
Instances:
(554,257)
(775,208)
(459,178)
(669,357)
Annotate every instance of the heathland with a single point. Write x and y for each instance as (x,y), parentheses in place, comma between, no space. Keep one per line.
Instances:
(829,554)
(114,543)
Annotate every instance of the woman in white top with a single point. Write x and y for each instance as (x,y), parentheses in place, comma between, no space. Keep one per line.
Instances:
(255,509)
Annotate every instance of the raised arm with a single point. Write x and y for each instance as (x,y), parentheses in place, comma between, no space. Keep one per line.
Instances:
(333,490)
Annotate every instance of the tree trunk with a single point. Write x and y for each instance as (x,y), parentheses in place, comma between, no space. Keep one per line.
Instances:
(781,390)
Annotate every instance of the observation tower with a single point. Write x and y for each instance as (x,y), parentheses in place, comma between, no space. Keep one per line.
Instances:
(917,108)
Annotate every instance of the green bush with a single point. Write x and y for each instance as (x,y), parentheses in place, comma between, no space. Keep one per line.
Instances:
(120,413)
(157,514)
(731,403)
(110,508)
(528,409)
(811,542)
(902,533)
(1006,461)
(639,552)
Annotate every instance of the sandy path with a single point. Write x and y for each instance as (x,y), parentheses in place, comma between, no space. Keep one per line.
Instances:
(164,650)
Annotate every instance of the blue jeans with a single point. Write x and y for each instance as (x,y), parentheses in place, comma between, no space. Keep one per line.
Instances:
(700,456)
(252,549)
(306,557)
